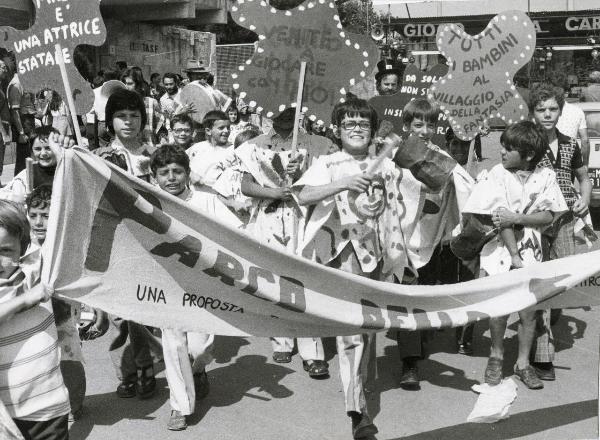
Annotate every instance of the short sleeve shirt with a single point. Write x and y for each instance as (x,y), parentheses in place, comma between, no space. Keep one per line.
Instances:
(572,119)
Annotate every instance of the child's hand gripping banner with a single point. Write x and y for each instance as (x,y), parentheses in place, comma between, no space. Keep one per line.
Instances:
(126,247)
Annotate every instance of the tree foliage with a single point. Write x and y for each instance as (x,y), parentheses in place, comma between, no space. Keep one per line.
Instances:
(353,15)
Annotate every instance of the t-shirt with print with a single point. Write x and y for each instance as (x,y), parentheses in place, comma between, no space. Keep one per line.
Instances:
(375,223)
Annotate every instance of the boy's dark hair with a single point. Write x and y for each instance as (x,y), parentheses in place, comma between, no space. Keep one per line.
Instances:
(172,76)
(39,198)
(42,132)
(355,107)
(121,64)
(167,154)
(183,119)
(154,75)
(14,220)
(527,138)
(213,116)
(124,100)
(544,92)
(420,108)
(244,136)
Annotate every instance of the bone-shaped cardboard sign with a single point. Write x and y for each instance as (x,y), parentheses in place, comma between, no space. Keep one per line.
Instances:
(311,32)
(68,23)
(415,84)
(479,83)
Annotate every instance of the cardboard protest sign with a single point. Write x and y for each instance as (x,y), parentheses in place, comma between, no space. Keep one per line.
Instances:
(65,22)
(312,32)
(479,84)
(415,84)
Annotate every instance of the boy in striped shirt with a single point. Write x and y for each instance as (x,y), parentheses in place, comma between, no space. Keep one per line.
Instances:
(31,385)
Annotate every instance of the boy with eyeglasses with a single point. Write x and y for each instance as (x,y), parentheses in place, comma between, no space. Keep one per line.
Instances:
(182,128)
(355,225)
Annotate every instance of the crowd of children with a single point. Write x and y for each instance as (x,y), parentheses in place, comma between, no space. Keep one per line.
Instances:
(330,201)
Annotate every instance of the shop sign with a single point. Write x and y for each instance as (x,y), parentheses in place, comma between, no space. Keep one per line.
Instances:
(573,24)
(143,46)
(424,29)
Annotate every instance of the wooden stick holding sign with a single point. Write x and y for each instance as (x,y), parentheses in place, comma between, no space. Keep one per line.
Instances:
(71,104)
(29,175)
(471,167)
(298,109)
(393,140)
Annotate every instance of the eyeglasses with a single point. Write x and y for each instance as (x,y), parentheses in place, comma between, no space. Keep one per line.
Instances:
(351,125)
(182,130)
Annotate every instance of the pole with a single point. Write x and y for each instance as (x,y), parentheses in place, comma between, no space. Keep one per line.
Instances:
(470,166)
(71,104)
(29,175)
(298,108)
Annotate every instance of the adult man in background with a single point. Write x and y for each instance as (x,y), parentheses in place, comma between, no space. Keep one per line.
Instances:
(591,93)
(387,78)
(572,119)
(5,132)
(156,88)
(22,113)
(199,75)
(170,101)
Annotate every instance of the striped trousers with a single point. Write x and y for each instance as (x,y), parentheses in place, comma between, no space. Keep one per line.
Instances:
(563,246)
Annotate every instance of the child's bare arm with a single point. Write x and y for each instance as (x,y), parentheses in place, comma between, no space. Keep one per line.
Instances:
(310,195)
(510,241)
(252,189)
(504,218)
(22,302)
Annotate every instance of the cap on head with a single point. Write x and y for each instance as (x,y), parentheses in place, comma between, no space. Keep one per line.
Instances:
(195,66)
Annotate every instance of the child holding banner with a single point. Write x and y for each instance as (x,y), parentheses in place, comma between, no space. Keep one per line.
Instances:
(186,354)
(268,167)
(125,117)
(31,385)
(208,160)
(354,227)
(46,159)
(66,314)
(521,200)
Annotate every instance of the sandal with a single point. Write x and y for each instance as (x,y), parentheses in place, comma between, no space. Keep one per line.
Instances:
(282,357)
(145,386)
(126,388)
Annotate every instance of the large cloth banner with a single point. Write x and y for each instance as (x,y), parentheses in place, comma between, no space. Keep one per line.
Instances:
(126,247)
